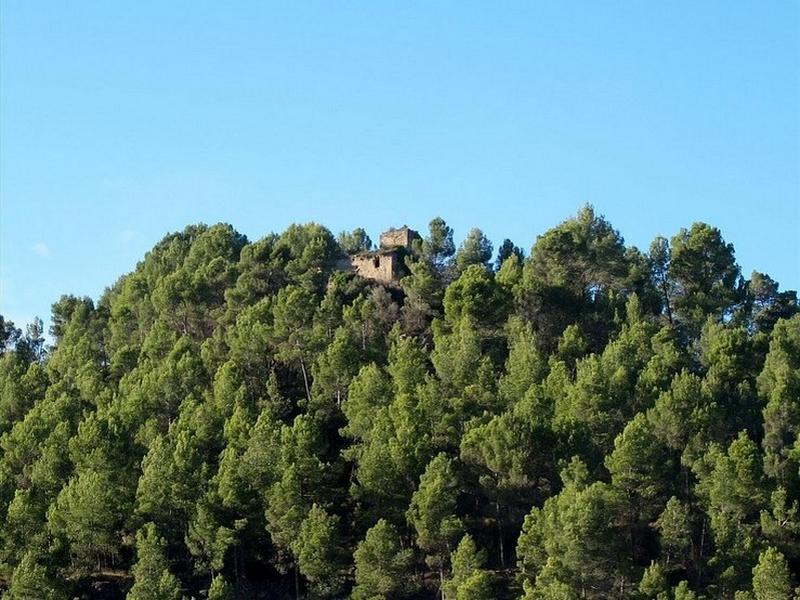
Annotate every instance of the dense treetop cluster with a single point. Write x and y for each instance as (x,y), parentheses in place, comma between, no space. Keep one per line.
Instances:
(240,419)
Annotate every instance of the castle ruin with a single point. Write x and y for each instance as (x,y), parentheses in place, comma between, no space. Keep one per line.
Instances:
(385,264)
(398,238)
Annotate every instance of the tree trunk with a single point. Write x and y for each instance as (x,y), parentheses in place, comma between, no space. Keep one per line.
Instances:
(667,307)
(305,380)
(236,571)
(500,537)
(700,551)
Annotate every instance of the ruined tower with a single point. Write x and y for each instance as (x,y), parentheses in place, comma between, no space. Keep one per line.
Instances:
(386,263)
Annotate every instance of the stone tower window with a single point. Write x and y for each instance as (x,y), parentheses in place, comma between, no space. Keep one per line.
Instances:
(376,262)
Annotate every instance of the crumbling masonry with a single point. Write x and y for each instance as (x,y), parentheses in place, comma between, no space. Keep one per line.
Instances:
(385,265)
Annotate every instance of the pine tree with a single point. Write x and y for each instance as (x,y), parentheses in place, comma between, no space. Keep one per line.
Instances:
(220,589)
(382,565)
(468,577)
(318,550)
(432,512)
(151,574)
(771,577)
(33,581)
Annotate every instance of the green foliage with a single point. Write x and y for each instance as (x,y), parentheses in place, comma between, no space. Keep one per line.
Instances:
(33,581)
(507,250)
(476,249)
(355,241)
(22,384)
(293,314)
(438,246)
(577,530)
(780,523)
(407,363)
(271,425)
(764,305)
(334,370)
(525,365)
(468,578)
(87,515)
(477,296)
(9,336)
(391,462)
(301,480)
(654,581)
(382,566)
(675,528)
(220,589)
(640,465)
(683,592)
(779,387)
(318,550)
(207,539)
(570,276)
(771,577)
(369,391)
(733,491)
(432,511)
(152,577)
(705,271)
(477,586)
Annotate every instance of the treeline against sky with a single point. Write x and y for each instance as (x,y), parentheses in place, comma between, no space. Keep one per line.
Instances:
(241,419)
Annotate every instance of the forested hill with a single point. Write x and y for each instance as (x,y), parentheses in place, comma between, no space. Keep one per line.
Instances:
(241,419)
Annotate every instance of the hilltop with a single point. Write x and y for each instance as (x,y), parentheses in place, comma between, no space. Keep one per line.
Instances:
(273,419)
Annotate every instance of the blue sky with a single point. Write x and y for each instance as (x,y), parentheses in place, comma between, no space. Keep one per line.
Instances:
(120,122)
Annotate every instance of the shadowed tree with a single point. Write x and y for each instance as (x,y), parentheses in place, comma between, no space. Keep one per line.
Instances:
(355,241)
(506,250)
(383,567)
(319,550)
(468,578)
(571,275)
(432,513)
(152,579)
(771,577)
(707,278)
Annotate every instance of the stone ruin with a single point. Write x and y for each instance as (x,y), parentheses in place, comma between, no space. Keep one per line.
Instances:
(398,238)
(385,264)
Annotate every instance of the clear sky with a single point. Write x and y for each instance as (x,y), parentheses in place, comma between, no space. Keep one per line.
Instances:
(122,121)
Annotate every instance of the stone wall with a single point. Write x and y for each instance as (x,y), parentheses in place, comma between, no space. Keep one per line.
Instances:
(398,237)
(375,265)
(384,265)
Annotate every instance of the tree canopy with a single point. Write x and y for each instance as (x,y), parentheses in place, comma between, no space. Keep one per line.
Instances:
(246,419)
